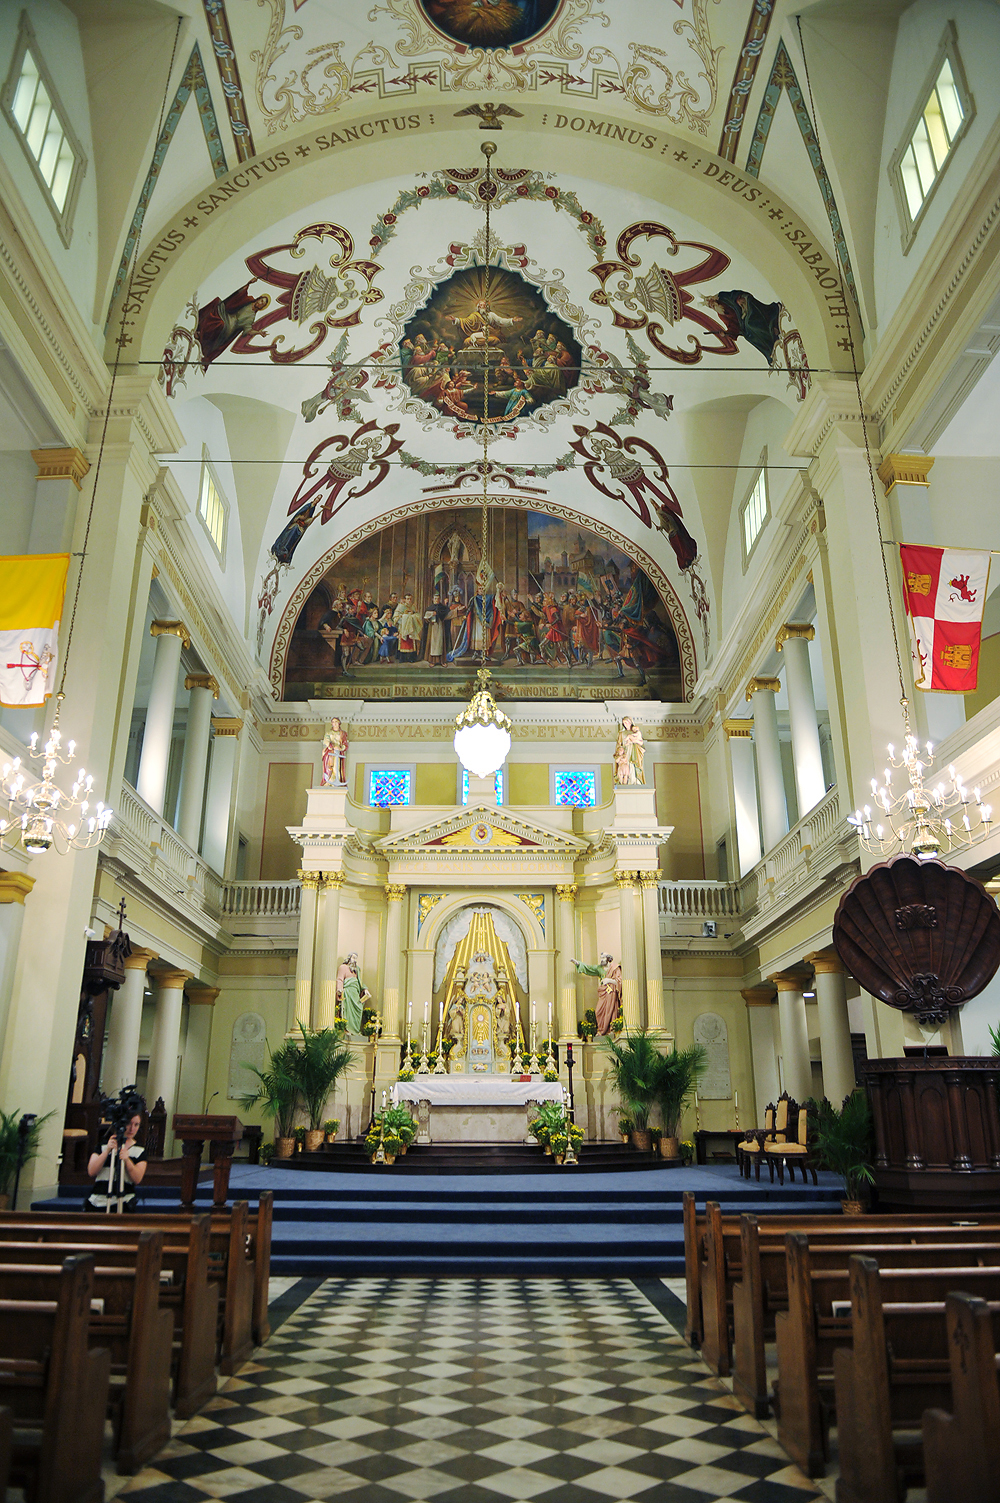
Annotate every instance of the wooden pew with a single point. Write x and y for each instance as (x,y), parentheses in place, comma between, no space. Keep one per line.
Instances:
(962,1449)
(255,1236)
(193,1297)
(134,1328)
(762,1290)
(713,1250)
(6,1441)
(56,1387)
(811,1331)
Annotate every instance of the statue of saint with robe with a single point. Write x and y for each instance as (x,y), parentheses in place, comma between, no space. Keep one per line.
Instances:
(609,989)
(351,994)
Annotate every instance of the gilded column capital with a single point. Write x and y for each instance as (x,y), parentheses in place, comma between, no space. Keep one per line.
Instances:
(649,879)
(202,681)
(756,685)
(171,981)
(788,981)
(15,886)
(759,996)
(395,892)
(905,469)
(203,996)
(334,879)
(738,729)
(826,963)
(61,464)
(226,725)
(625,879)
(792,631)
(140,959)
(566,892)
(310,879)
(171,629)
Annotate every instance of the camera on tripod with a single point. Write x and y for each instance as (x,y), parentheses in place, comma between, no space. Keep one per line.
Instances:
(117,1112)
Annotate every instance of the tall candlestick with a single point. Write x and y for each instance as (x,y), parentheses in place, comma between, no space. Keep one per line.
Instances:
(550,1018)
(383,1100)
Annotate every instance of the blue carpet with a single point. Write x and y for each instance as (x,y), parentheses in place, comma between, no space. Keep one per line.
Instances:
(570,1225)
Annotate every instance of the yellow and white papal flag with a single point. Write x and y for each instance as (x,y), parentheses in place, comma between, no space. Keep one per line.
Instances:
(32,588)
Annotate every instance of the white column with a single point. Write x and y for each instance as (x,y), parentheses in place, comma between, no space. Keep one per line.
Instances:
(630,958)
(219,797)
(794,641)
(393,1020)
(326,1004)
(304,957)
(760,1016)
(797,1070)
(14,888)
(151,783)
(774,813)
(163,1050)
(566,940)
(122,1049)
(191,1090)
(191,796)
(834,1025)
(649,884)
(739,740)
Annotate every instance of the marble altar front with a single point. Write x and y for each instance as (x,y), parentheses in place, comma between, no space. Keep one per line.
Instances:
(474,1108)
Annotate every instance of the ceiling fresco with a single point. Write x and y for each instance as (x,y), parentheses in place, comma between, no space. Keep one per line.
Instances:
(591,309)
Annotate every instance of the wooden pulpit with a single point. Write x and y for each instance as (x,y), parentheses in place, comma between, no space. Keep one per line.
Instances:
(223,1133)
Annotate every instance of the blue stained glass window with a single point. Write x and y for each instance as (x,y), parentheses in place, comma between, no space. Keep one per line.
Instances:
(497,785)
(389,786)
(577,788)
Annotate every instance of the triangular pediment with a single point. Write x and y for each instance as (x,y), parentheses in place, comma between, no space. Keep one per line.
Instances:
(485,831)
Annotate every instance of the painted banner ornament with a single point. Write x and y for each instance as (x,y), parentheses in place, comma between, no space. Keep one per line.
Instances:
(32,588)
(945,591)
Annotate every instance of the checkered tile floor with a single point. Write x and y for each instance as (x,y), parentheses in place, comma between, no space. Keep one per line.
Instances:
(382,1390)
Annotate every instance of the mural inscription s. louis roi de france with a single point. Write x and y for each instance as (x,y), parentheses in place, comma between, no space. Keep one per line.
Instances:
(555,610)
(489,23)
(477,318)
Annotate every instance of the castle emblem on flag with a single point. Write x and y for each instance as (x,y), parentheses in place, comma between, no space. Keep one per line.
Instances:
(945,589)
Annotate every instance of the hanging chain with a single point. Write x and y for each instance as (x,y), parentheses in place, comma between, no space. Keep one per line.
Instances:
(904,699)
(487,148)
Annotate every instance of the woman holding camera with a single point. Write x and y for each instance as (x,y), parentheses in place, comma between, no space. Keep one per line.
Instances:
(127,1163)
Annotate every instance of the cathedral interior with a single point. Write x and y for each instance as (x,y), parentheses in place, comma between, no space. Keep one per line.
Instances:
(627,364)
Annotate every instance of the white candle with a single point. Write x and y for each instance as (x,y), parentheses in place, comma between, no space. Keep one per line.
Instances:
(383,1100)
(696,1100)
(532,1014)
(736,1099)
(550,1019)
(427,1008)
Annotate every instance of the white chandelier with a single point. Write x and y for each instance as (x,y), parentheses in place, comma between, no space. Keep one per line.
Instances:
(920,821)
(38,814)
(482,739)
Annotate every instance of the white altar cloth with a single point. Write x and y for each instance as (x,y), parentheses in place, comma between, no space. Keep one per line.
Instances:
(475,1090)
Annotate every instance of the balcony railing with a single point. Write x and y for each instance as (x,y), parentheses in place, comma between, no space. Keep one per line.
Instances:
(699,900)
(154,850)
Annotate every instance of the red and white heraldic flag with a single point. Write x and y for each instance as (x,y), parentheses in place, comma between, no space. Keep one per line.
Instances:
(945,591)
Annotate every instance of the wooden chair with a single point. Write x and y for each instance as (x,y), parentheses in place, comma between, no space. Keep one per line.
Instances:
(794,1151)
(750,1151)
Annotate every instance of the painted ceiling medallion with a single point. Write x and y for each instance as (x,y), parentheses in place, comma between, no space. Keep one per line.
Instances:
(489,23)
(535,359)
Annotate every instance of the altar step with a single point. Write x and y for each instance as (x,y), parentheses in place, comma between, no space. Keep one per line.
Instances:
(474,1158)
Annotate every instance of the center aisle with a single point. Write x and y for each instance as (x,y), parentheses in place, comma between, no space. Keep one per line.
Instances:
(377,1390)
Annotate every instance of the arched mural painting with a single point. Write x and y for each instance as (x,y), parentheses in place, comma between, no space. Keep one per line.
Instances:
(558,610)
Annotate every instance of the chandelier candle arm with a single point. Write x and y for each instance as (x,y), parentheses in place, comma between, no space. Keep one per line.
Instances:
(921,821)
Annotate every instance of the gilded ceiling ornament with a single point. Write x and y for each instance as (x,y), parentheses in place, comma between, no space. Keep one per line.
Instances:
(535,903)
(426,903)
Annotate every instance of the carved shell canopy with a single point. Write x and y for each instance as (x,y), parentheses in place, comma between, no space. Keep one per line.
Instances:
(919,935)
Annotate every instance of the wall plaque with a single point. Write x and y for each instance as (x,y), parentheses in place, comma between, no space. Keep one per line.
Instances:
(710,1031)
(249,1047)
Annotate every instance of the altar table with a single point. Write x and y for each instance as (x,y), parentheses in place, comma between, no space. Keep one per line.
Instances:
(474,1108)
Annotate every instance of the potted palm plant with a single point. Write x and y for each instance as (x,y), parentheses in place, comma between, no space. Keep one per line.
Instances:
(277,1096)
(321,1059)
(12,1143)
(677,1077)
(845,1144)
(634,1069)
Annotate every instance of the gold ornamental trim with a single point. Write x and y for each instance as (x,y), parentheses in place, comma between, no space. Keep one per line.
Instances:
(793,631)
(171,981)
(171,629)
(202,681)
(140,959)
(758,996)
(395,892)
(15,887)
(650,879)
(788,981)
(226,725)
(334,879)
(739,730)
(203,996)
(61,464)
(905,469)
(625,880)
(758,685)
(310,879)
(566,892)
(826,963)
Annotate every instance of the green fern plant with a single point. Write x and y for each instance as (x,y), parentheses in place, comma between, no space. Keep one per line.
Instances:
(635,1067)
(845,1142)
(277,1093)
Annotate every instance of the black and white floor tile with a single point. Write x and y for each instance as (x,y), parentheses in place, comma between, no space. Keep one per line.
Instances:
(487,1390)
